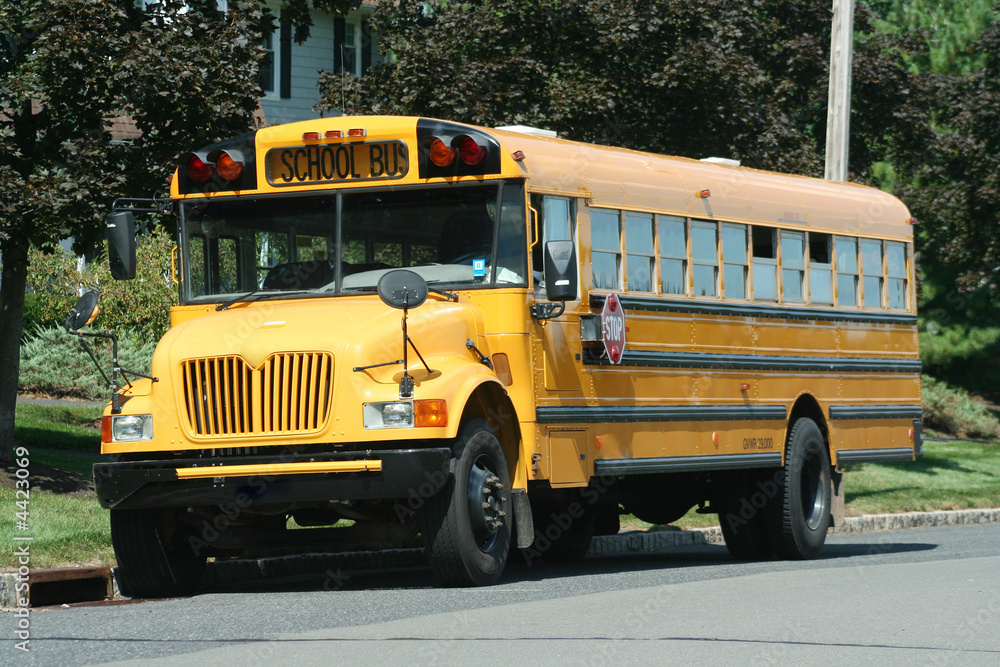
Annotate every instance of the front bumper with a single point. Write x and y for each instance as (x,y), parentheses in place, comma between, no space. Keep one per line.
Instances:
(263,480)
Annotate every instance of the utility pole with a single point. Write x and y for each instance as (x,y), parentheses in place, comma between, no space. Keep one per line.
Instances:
(838,114)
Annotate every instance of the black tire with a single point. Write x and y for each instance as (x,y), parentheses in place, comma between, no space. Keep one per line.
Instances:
(155,557)
(798,524)
(563,530)
(467,526)
(742,503)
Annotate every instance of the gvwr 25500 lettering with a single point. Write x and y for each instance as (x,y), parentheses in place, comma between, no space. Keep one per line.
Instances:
(336,162)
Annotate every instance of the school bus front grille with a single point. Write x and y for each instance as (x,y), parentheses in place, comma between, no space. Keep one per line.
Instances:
(291,392)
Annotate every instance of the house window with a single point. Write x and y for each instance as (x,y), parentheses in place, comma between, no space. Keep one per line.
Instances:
(355,45)
(267,65)
(606,255)
(895,255)
(820,268)
(639,248)
(847,272)
(793,266)
(734,260)
(673,255)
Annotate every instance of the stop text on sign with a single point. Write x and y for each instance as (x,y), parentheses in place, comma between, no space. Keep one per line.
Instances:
(337,162)
(613,328)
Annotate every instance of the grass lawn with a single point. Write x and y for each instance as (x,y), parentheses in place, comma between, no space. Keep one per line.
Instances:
(67,530)
(70,428)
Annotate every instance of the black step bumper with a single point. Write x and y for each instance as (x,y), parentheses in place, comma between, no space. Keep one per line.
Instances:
(155,484)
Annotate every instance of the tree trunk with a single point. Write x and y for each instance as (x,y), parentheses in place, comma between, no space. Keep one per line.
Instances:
(12,283)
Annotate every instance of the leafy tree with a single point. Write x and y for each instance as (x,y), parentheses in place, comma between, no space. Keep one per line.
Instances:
(185,73)
(946,27)
(745,80)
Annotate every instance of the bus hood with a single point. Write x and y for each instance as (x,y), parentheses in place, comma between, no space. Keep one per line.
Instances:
(358,331)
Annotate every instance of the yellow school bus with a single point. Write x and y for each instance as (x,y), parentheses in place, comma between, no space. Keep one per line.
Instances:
(498,339)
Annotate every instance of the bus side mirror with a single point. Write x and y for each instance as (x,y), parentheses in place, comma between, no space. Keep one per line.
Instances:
(83,313)
(119,230)
(560,271)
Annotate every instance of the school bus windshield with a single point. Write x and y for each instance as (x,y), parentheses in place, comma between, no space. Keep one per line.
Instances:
(460,236)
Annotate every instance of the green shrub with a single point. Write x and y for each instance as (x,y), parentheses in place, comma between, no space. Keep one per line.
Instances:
(141,305)
(956,411)
(53,363)
(967,357)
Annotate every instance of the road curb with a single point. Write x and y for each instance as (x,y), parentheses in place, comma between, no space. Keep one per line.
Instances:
(633,542)
(338,567)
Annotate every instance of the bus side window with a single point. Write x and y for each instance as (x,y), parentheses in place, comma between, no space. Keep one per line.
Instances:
(705,257)
(820,269)
(847,271)
(793,266)
(734,260)
(673,254)
(606,248)
(765,263)
(896,271)
(639,256)
(871,269)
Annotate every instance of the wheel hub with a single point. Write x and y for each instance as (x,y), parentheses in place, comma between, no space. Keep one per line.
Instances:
(486,505)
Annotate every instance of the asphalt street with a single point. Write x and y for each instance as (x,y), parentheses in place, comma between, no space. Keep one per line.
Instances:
(918,596)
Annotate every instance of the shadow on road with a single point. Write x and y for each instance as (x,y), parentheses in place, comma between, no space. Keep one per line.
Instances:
(419,576)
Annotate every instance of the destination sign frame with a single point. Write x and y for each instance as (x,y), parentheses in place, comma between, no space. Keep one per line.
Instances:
(347,162)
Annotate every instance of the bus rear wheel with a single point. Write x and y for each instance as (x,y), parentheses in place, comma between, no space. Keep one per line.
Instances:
(466,526)
(797,524)
(155,557)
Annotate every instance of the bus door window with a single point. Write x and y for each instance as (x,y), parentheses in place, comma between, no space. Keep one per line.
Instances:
(606,253)
(639,256)
(793,266)
(705,257)
(556,224)
(734,260)
(820,269)
(895,255)
(847,272)
(673,254)
(765,263)
(871,271)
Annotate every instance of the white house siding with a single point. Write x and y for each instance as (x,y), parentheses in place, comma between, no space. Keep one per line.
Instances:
(316,53)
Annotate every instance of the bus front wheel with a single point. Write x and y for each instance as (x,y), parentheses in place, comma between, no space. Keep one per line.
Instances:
(798,522)
(155,557)
(466,526)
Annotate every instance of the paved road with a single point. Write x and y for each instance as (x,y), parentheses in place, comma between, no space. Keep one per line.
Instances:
(921,596)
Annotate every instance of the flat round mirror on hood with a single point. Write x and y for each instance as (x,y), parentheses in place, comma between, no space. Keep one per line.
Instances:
(83,312)
(402,289)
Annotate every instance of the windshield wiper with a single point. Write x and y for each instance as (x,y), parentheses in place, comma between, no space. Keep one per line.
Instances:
(236,299)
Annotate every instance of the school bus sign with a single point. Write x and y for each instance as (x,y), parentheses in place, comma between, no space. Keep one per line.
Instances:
(613,328)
